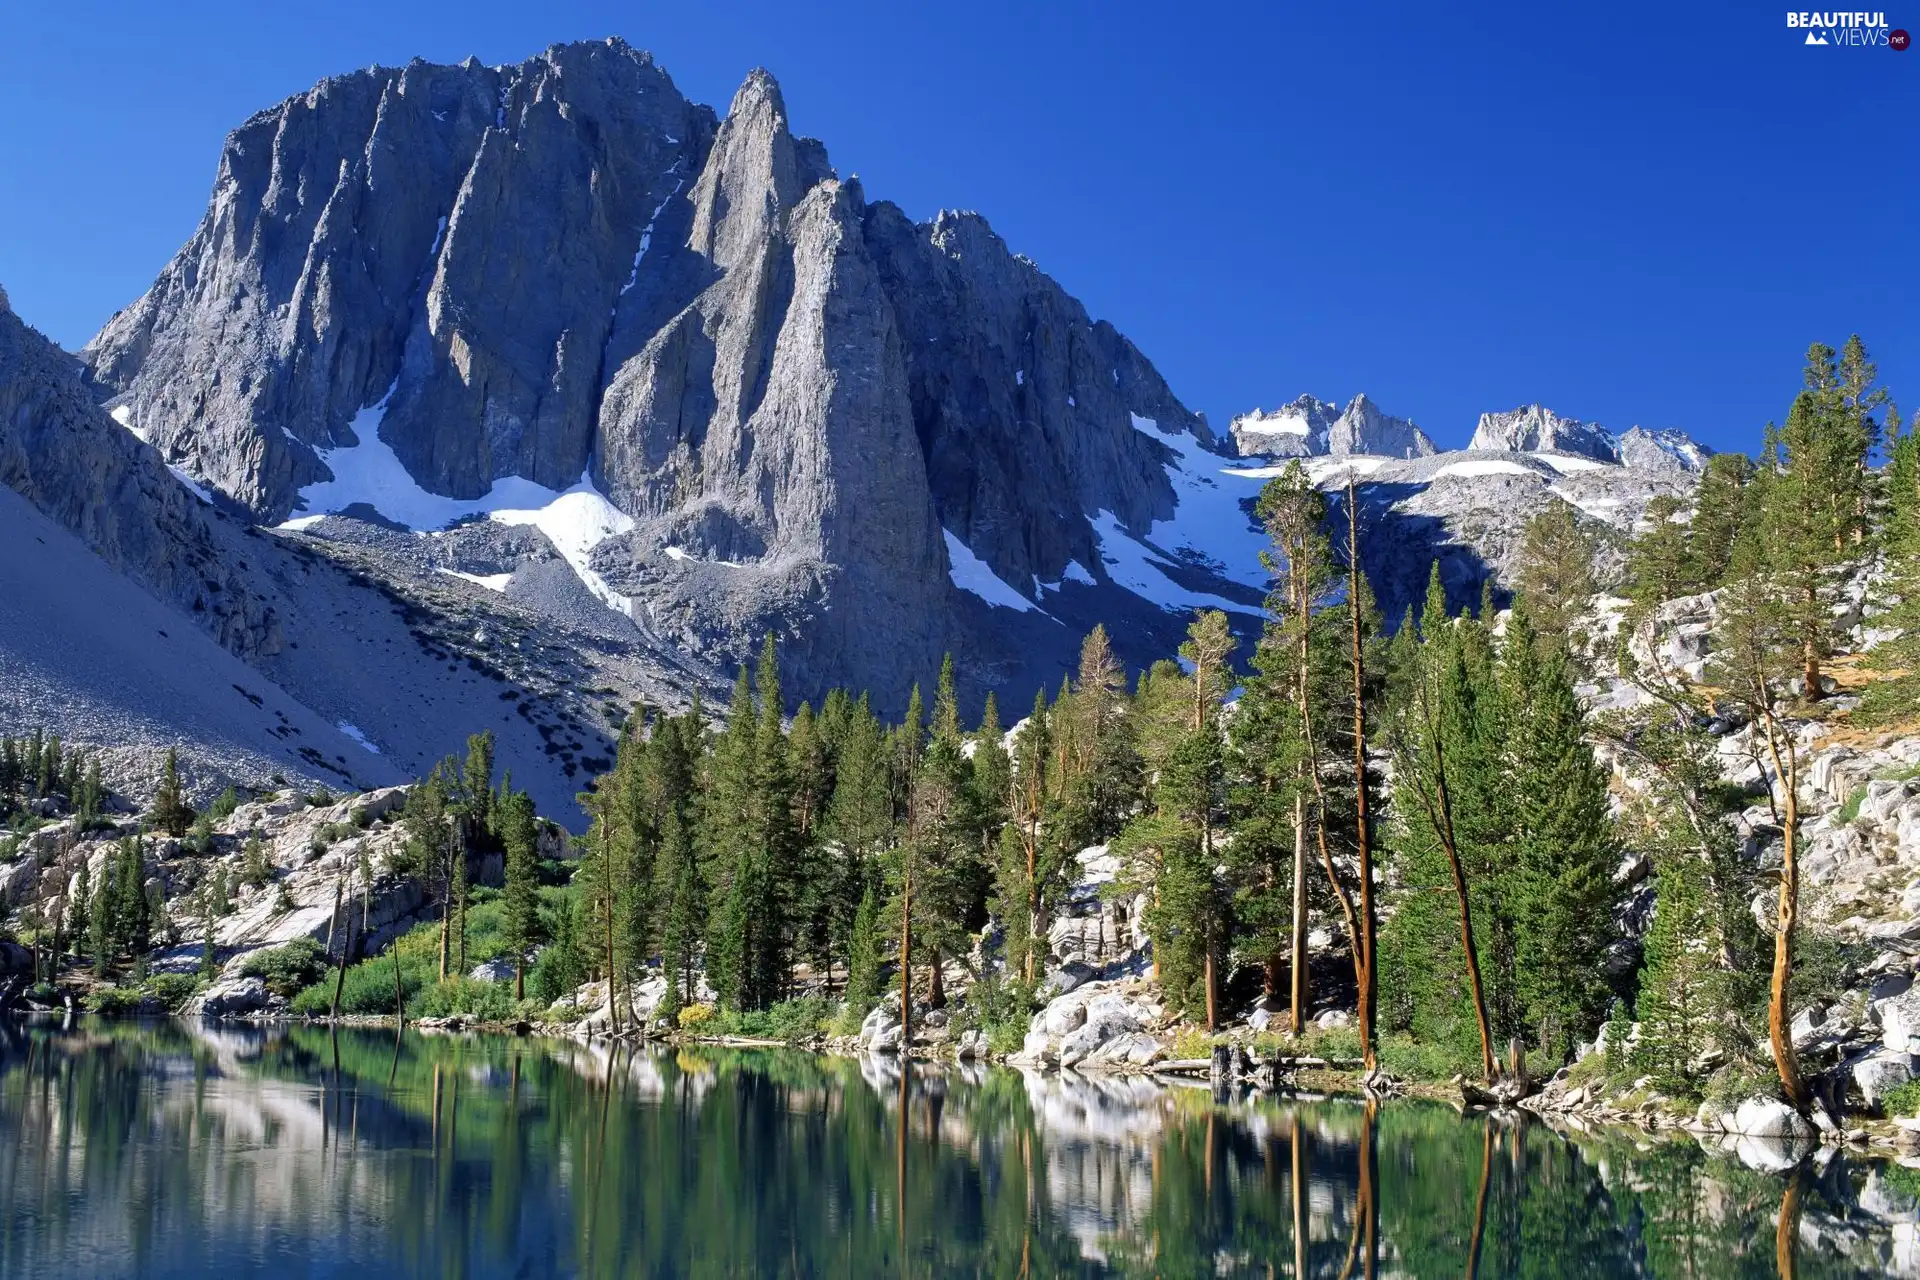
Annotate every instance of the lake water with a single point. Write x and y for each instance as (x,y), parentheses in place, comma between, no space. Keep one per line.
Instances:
(174,1149)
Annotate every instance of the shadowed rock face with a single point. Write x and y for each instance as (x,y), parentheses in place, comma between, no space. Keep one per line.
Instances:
(58,451)
(565,268)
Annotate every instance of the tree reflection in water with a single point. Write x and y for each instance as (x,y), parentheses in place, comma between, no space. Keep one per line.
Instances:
(168,1149)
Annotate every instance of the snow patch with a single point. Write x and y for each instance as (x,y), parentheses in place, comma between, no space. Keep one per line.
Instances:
(971,573)
(575,520)
(1278,422)
(1208,521)
(123,414)
(1142,571)
(491,581)
(1076,572)
(1484,467)
(353,732)
(194,487)
(1566,464)
(1019,377)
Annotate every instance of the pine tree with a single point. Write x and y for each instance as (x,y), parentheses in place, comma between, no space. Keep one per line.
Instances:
(171,813)
(726,836)
(520,899)
(255,870)
(863,954)
(80,905)
(1677,984)
(1174,846)
(1440,779)
(1555,572)
(1660,559)
(1720,511)
(1760,641)
(476,789)
(1559,876)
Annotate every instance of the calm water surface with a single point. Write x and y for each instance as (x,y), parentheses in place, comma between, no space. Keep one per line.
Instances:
(169,1149)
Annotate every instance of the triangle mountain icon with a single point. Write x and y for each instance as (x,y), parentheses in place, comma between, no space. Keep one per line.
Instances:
(1814,37)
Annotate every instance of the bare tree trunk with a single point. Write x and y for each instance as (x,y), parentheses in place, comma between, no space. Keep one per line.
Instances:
(1439,808)
(1480,1202)
(1362,837)
(1298,982)
(1786,1235)
(906,969)
(1298,1186)
(1779,1030)
(937,985)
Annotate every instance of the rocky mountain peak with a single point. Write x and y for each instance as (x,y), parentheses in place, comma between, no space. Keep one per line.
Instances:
(1535,428)
(1310,427)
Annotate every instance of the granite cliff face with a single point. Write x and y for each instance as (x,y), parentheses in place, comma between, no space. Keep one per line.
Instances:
(800,411)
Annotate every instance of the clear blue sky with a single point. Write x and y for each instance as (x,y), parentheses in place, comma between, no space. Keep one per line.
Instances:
(1635,213)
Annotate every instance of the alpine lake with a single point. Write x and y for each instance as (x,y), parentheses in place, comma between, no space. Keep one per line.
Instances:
(179,1149)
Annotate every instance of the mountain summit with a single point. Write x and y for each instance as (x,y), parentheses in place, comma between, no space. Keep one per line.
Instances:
(736,396)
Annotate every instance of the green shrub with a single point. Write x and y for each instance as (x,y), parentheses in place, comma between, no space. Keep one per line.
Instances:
(788,1020)
(1192,1042)
(1850,808)
(1411,1059)
(1902,1099)
(695,1016)
(172,990)
(224,805)
(368,989)
(319,798)
(491,1001)
(287,969)
(43,993)
(114,1000)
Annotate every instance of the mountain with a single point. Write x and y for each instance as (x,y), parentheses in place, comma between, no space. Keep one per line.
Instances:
(1467,509)
(1309,427)
(736,396)
(141,616)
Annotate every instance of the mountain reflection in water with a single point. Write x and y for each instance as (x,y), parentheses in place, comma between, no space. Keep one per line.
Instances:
(173,1149)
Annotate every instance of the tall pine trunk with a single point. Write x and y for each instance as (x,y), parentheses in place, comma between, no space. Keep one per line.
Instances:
(1779,1030)
(1440,813)
(1362,836)
(1298,978)
(906,964)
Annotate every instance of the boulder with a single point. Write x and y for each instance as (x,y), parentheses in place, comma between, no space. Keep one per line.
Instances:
(225,999)
(1875,1073)
(1069,977)
(1771,1118)
(1038,1047)
(499,969)
(1107,1017)
(1061,1018)
(880,1030)
(1899,1017)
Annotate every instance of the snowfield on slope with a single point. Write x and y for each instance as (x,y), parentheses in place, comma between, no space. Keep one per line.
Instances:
(575,520)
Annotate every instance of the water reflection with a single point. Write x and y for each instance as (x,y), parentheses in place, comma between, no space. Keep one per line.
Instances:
(169,1149)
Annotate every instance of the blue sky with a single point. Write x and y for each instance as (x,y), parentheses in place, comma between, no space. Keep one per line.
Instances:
(1633,213)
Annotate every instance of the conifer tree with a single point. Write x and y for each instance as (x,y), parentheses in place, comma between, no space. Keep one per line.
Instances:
(1720,511)
(1660,561)
(1677,984)
(80,906)
(863,954)
(1760,642)
(1555,572)
(520,899)
(1559,875)
(171,812)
